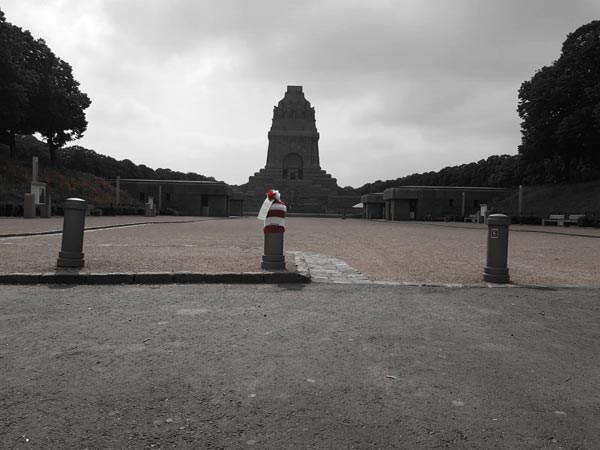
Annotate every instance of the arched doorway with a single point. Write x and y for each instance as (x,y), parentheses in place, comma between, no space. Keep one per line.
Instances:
(292,167)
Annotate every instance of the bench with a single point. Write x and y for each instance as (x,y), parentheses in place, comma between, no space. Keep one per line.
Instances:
(92,210)
(473,218)
(573,219)
(558,219)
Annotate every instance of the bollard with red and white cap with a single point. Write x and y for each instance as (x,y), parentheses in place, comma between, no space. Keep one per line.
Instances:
(273,213)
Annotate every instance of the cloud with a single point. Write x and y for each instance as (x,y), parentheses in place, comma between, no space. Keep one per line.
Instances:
(398,86)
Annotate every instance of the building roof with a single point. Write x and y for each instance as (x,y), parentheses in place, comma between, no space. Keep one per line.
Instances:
(150,181)
(453,188)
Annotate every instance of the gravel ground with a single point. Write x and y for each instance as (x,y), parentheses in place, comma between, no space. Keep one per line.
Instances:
(317,366)
(385,251)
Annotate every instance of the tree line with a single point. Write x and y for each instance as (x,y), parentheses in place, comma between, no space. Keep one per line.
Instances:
(85,160)
(507,171)
(81,159)
(496,171)
(38,93)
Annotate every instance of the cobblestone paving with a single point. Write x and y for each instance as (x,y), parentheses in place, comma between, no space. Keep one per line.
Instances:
(326,269)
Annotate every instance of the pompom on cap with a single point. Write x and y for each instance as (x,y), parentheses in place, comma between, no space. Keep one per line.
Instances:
(273,194)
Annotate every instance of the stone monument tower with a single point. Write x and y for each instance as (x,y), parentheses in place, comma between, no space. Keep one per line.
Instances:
(293,163)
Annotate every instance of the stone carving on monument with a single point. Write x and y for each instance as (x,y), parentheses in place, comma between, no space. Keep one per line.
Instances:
(293,163)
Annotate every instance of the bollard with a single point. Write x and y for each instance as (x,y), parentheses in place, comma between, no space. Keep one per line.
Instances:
(72,238)
(273,258)
(29,206)
(496,270)
(274,227)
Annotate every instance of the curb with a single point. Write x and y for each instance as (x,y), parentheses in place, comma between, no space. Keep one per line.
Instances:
(74,277)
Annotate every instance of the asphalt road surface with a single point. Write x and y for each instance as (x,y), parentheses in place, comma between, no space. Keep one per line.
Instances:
(316,366)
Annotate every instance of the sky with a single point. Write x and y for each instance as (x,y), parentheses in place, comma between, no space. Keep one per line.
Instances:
(398,86)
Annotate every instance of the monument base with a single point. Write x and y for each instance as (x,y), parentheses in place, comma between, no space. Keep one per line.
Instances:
(29,206)
(46,209)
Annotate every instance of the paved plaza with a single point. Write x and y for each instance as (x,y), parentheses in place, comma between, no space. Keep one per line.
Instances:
(331,250)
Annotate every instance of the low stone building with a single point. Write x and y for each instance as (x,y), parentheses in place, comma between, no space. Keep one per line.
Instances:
(373,206)
(236,204)
(437,202)
(191,198)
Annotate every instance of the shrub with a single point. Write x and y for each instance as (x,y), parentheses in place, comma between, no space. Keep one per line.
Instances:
(169,212)
(587,221)
(528,220)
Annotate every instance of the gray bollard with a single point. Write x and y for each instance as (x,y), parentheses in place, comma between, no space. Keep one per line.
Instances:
(29,206)
(72,239)
(273,258)
(496,270)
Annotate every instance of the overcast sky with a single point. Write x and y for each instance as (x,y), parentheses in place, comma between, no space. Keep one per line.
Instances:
(398,86)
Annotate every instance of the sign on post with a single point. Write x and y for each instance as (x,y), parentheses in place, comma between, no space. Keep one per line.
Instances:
(38,189)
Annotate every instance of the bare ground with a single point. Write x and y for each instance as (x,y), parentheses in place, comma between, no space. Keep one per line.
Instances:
(386,251)
(318,366)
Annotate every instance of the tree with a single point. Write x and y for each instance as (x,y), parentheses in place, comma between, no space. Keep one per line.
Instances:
(58,105)
(18,79)
(37,91)
(560,105)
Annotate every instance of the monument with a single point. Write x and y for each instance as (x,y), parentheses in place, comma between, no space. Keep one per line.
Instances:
(293,165)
